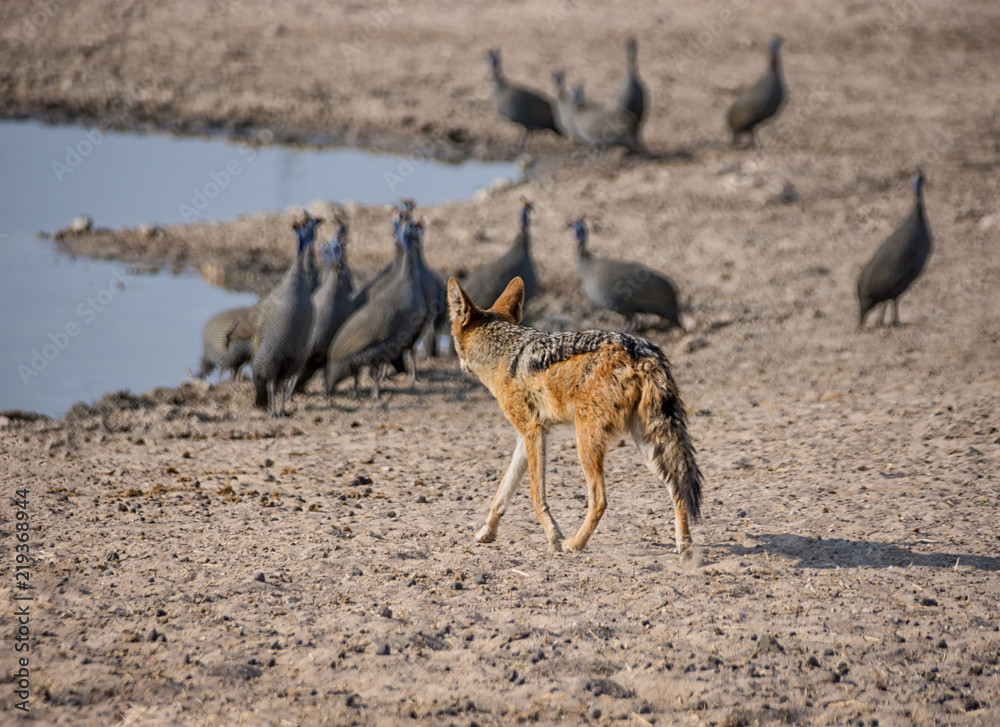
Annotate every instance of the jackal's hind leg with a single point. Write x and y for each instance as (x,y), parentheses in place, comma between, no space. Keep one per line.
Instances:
(682,532)
(590,446)
(515,473)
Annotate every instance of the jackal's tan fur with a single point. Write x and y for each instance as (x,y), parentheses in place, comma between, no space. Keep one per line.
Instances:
(604,382)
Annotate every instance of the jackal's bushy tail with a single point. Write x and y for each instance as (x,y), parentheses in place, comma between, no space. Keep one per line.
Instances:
(665,427)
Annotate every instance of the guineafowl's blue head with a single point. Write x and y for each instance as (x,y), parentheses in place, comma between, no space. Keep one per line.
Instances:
(580,228)
(526,208)
(410,234)
(333,253)
(918,182)
(306,231)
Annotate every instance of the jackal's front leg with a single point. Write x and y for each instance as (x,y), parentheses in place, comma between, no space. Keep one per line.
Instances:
(534,443)
(515,473)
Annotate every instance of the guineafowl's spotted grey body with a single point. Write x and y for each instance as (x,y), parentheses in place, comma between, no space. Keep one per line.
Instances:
(377,332)
(217,351)
(525,107)
(282,320)
(624,287)
(899,260)
(759,102)
(603,127)
(486,284)
(332,304)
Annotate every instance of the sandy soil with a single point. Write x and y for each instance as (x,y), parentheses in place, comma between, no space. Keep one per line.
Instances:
(196,563)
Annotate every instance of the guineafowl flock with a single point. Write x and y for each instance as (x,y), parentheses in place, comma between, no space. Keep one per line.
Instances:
(317,321)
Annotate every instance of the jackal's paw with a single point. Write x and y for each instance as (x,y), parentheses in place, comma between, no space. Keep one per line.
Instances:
(571,546)
(485,535)
(687,552)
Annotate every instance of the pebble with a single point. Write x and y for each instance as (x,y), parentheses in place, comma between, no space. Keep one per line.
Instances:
(383,650)
(260,578)
(81,224)
(385,612)
(479,579)
(594,713)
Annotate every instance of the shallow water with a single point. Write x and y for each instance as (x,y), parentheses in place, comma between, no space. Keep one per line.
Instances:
(74,329)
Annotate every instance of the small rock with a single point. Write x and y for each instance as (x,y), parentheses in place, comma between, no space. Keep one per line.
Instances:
(383,650)
(385,612)
(594,713)
(457,586)
(928,602)
(81,224)
(813,662)
(160,612)
(479,579)
(260,578)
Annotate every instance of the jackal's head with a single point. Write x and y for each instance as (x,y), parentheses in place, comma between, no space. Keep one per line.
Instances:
(474,338)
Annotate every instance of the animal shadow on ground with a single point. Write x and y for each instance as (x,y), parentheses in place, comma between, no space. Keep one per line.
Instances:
(817,552)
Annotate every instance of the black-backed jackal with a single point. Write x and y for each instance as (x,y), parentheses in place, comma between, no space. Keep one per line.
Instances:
(604,382)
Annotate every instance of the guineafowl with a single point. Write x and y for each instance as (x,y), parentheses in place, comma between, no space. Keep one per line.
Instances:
(432,286)
(603,127)
(564,109)
(377,333)
(632,94)
(281,322)
(332,303)
(624,287)
(530,109)
(898,261)
(217,351)
(758,102)
(486,284)
(400,215)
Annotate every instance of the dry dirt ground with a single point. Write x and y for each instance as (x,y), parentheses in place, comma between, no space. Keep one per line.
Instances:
(196,563)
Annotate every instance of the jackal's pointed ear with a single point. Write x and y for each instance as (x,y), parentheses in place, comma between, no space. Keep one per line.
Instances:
(510,304)
(460,307)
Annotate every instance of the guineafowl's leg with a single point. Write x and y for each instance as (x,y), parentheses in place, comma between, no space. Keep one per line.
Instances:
(410,362)
(270,398)
(290,389)
(881,314)
(895,311)
(522,145)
